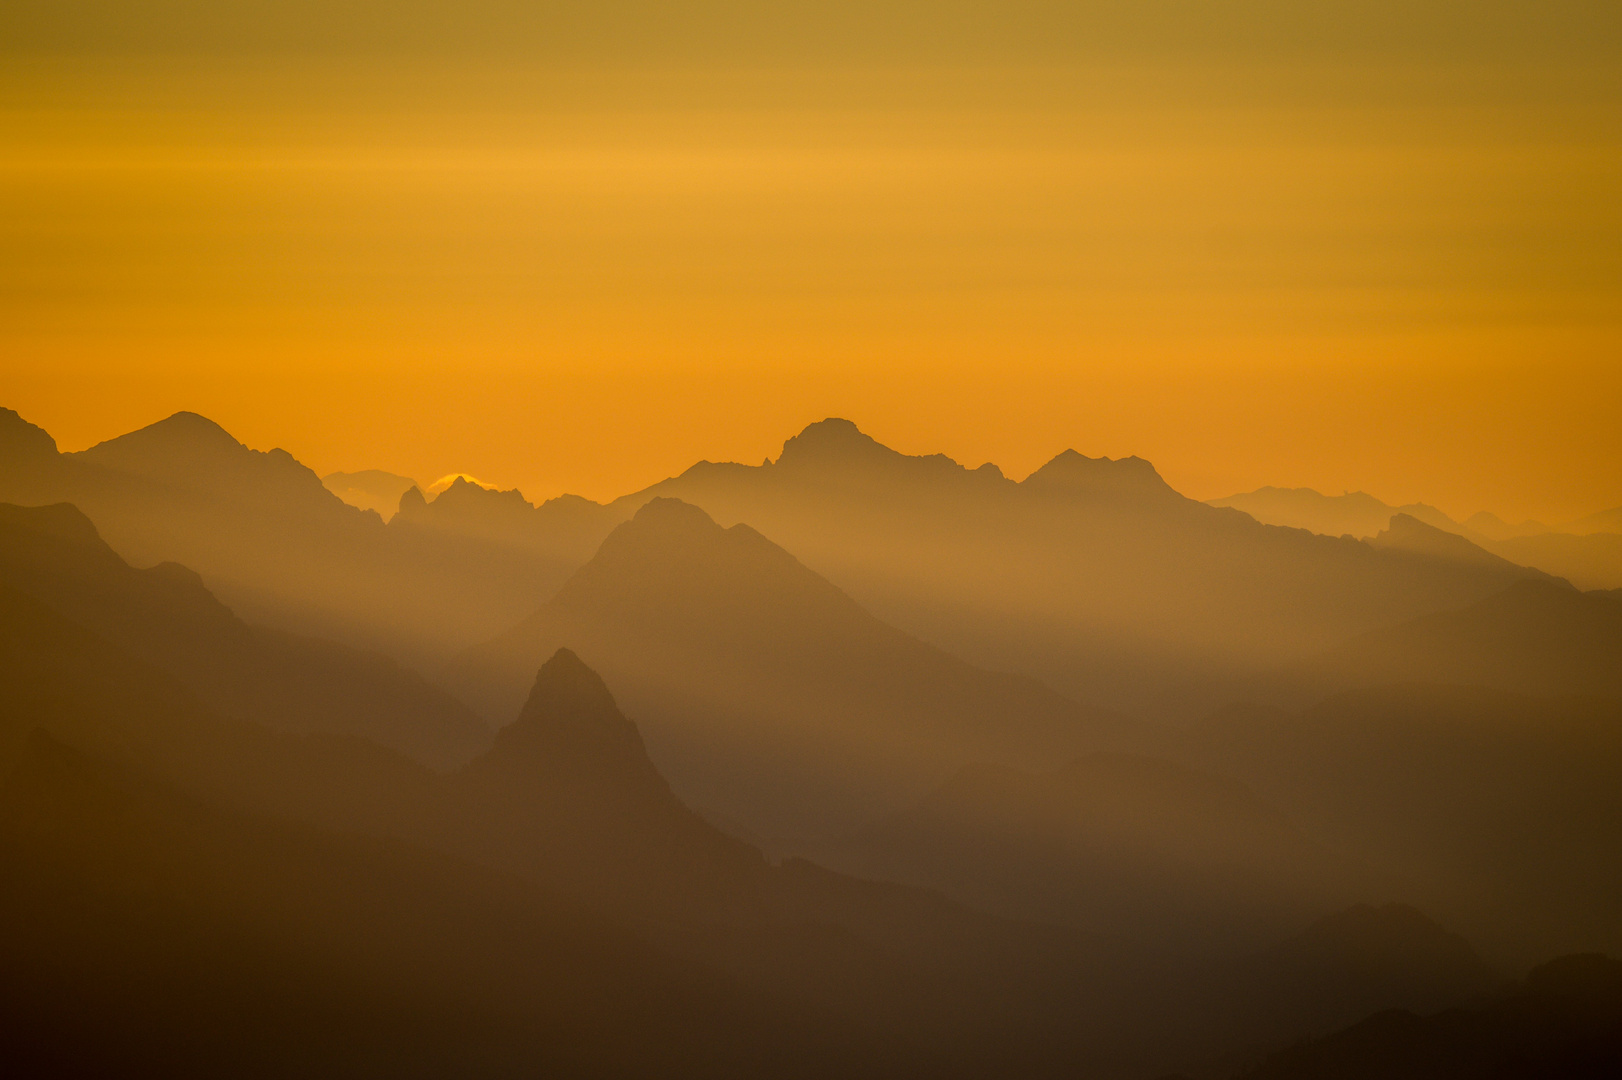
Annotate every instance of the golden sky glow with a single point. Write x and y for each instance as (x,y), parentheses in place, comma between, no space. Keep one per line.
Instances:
(1399,276)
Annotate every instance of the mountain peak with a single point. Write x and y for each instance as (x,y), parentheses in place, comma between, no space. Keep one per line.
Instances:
(833,441)
(570,720)
(1074,473)
(179,443)
(21,440)
(1408,533)
(668,513)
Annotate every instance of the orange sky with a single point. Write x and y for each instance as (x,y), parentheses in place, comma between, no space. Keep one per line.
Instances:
(1399,277)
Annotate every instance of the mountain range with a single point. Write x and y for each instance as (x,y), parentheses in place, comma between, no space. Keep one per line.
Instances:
(1091,574)
(848,763)
(1587,552)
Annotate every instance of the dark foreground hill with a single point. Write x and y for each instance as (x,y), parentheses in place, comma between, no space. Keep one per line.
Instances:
(769,696)
(1563,1023)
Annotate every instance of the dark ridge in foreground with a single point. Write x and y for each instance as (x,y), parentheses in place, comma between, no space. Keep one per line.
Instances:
(1563,1023)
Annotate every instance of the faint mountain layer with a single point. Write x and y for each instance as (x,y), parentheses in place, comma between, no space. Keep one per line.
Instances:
(769,696)
(1588,552)
(369,489)
(561,532)
(1355,513)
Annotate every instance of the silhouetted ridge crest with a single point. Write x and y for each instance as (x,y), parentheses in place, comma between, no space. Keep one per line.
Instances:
(182,431)
(838,445)
(23,441)
(1075,473)
(673,516)
(832,440)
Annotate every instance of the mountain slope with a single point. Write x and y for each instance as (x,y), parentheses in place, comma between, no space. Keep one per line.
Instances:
(768,695)
(165,615)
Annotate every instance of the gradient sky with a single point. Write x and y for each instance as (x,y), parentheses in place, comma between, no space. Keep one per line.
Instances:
(571,246)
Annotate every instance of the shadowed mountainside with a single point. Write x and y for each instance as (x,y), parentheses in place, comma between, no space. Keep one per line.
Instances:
(369,489)
(769,696)
(166,616)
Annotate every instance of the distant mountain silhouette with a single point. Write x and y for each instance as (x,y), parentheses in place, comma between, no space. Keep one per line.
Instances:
(1125,846)
(165,615)
(1605,521)
(1494,528)
(369,489)
(276,545)
(1592,561)
(767,694)
(1587,553)
(562,532)
(1565,1021)
(1494,812)
(1091,574)
(1355,513)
